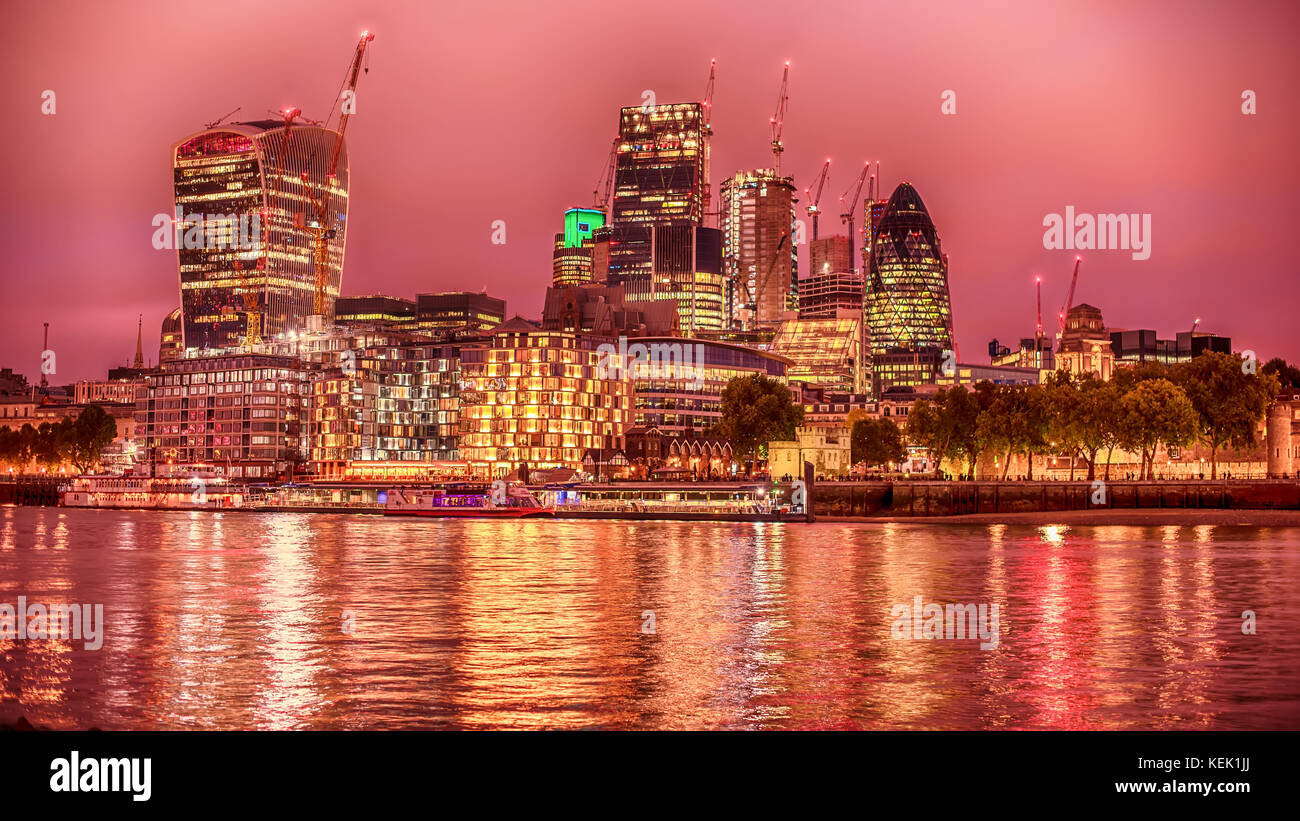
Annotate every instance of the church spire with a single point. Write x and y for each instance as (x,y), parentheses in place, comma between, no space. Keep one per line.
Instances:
(139,348)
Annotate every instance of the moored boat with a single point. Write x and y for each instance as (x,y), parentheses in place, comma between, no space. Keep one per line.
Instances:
(498,500)
(198,492)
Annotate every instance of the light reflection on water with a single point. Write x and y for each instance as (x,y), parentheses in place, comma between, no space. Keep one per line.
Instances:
(238,620)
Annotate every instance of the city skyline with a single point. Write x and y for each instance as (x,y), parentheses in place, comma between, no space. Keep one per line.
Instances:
(1110,132)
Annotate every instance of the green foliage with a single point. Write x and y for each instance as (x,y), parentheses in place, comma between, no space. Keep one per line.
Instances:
(757,410)
(948,425)
(52,444)
(1209,399)
(1288,375)
(1228,401)
(876,442)
(1156,412)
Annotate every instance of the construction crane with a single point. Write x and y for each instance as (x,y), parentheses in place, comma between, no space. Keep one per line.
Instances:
(1069,298)
(815,198)
(846,212)
(762,285)
(221,120)
(707,129)
(606,182)
(778,120)
(1195,325)
(320,229)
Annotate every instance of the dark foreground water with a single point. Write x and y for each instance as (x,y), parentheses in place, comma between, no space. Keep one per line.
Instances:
(243,620)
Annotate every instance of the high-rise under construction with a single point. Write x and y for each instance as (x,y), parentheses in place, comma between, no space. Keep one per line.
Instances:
(760,257)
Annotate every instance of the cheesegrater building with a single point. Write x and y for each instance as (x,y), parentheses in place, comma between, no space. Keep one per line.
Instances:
(243,198)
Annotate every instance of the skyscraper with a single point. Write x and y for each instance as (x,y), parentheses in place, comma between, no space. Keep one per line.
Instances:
(571,263)
(244,197)
(907,304)
(760,259)
(659,179)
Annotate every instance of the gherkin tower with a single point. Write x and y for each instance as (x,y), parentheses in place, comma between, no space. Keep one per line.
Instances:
(906,303)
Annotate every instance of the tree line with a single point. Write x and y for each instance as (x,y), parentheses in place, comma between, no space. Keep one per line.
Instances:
(78,442)
(1216,400)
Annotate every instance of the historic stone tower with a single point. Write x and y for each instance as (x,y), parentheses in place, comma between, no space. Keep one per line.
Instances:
(1278,439)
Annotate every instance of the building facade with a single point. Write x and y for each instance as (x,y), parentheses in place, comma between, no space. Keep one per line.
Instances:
(760,259)
(907,303)
(458,312)
(244,204)
(660,178)
(540,398)
(239,414)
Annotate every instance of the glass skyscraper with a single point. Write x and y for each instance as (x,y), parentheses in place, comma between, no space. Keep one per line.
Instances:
(243,197)
(906,303)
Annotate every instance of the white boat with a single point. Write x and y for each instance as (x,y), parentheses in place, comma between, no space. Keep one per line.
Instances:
(466,500)
(207,492)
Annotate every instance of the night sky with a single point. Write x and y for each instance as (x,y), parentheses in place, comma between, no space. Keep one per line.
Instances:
(490,111)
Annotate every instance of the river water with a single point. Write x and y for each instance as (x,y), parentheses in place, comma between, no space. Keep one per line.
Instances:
(310,621)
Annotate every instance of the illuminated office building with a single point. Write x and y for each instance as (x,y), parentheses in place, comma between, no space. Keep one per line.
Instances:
(760,258)
(687,271)
(907,304)
(388,409)
(171,340)
(374,309)
(540,398)
(571,263)
(239,414)
(458,312)
(686,401)
(825,353)
(659,179)
(831,285)
(243,199)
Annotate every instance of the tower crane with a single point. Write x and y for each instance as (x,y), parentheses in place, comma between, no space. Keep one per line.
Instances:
(1195,325)
(605,185)
(1069,297)
(778,120)
(846,214)
(815,198)
(320,229)
(707,130)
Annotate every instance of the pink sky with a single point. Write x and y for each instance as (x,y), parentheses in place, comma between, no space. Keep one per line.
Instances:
(483,111)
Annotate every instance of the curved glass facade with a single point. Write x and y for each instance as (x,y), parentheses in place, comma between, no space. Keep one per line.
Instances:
(907,304)
(243,203)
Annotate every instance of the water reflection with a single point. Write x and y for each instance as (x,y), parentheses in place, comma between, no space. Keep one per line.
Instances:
(311,621)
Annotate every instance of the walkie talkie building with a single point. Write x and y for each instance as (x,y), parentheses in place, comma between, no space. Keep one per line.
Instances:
(243,200)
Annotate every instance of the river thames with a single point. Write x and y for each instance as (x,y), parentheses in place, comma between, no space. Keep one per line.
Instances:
(310,621)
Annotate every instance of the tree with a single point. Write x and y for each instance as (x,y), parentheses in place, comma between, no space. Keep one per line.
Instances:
(1156,412)
(93,431)
(1061,406)
(947,426)
(10,444)
(1228,402)
(1097,421)
(756,410)
(1288,375)
(877,441)
(995,428)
